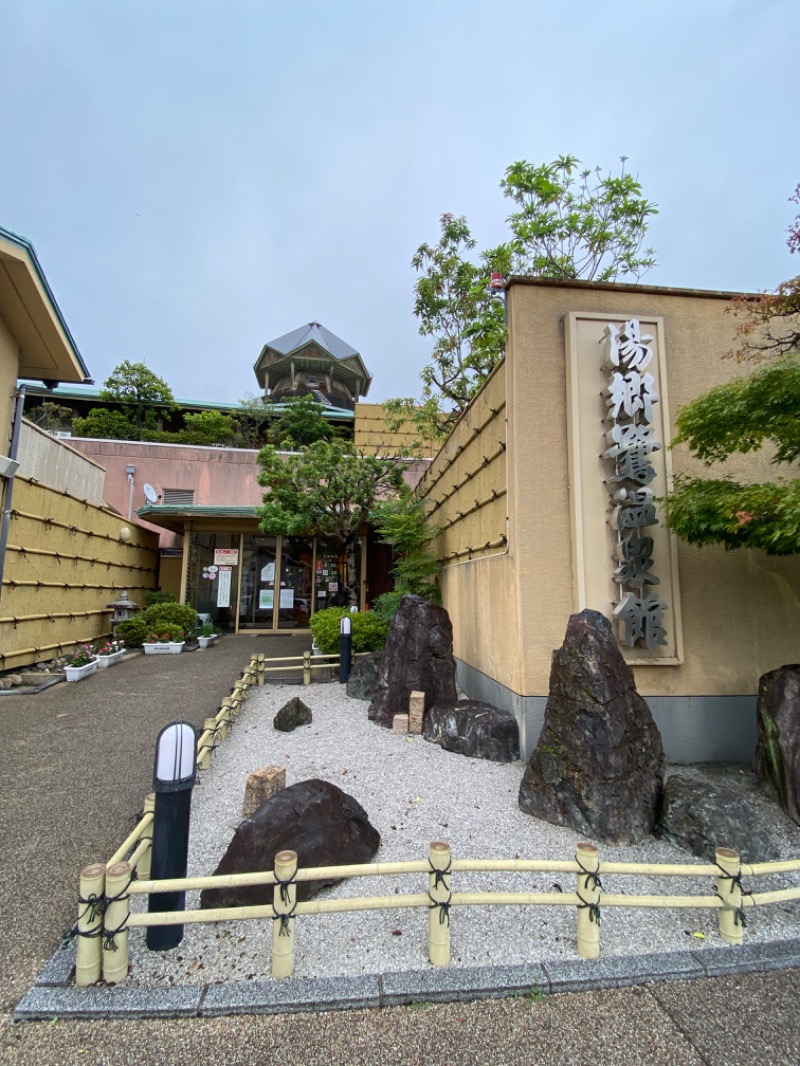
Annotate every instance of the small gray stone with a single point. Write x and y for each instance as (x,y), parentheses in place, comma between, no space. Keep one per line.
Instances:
(701,817)
(291,715)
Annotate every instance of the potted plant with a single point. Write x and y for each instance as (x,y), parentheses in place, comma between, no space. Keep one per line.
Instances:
(207,634)
(81,663)
(110,653)
(166,640)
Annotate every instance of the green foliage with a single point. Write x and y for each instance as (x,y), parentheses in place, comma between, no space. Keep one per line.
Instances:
(209,428)
(106,424)
(250,420)
(574,223)
(165,634)
(208,629)
(739,417)
(401,522)
(569,223)
(368,630)
(300,423)
(157,596)
(182,615)
(325,490)
(139,392)
(385,606)
(133,632)
(51,416)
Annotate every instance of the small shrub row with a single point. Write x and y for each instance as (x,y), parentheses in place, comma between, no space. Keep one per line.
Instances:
(368,630)
(159,618)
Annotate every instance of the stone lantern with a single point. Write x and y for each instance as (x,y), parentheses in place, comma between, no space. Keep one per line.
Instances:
(123,609)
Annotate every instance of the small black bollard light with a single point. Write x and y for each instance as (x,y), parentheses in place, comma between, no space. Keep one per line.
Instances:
(174,775)
(345,643)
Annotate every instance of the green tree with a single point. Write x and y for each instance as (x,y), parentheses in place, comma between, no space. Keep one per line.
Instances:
(569,223)
(573,223)
(325,490)
(402,522)
(251,418)
(51,417)
(301,421)
(745,415)
(138,395)
(210,428)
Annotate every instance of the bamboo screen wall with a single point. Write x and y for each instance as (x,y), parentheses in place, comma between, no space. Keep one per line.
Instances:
(65,564)
(372,436)
(466,485)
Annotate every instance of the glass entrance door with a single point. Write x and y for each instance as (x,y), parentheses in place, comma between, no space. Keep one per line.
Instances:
(295,590)
(257,594)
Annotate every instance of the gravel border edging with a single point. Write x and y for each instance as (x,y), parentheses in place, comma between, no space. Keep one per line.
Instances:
(53,996)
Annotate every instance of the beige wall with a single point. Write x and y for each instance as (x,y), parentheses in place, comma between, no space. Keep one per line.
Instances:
(9,365)
(739,609)
(53,462)
(371,435)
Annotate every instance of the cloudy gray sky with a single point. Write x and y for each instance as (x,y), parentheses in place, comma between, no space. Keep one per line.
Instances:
(199,177)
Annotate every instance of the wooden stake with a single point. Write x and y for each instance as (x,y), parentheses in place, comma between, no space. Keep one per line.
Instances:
(143,869)
(439,912)
(262,663)
(283,901)
(88,965)
(589,892)
(729,889)
(306,667)
(206,743)
(115,921)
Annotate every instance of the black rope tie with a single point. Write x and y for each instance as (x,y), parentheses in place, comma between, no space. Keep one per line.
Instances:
(95,907)
(592,882)
(283,888)
(439,882)
(109,943)
(739,916)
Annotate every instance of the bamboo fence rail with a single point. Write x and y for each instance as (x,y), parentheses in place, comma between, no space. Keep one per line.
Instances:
(105,918)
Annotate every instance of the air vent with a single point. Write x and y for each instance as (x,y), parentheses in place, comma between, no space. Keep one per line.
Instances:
(178,497)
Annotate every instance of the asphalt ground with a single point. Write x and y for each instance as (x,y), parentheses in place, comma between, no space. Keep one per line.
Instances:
(77,764)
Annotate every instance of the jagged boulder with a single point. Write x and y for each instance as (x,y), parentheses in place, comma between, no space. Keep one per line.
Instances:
(469,727)
(362,683)
(418,657)
(700,817)
(319,821)
(599,763)
(291,715)
(778,745)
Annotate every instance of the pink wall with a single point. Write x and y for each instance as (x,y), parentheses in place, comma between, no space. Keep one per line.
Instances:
(218,476)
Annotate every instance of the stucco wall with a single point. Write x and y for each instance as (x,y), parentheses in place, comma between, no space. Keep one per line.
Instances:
(53,462)
(739,609)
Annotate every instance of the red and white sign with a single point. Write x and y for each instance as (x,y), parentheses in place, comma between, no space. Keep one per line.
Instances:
(226,556)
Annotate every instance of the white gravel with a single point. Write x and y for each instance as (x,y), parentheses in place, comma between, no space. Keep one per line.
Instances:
(413,793)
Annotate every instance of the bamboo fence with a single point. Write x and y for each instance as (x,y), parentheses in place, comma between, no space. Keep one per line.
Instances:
(105,917)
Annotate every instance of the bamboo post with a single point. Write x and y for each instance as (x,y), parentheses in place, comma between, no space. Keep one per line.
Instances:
(207,743)
(115,921)
(306,667)
(589,894)
(223,720)
(729,889)
(262,665)
(143,869)
(439,910)
(283,900)
(89,957)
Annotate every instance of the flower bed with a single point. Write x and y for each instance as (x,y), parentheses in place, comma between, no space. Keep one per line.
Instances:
(78,673)
(170,647)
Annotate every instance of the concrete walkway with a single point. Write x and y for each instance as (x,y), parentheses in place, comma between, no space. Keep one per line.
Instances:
(77,763)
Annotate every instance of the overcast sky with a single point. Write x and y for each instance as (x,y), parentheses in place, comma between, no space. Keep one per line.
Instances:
(201,177)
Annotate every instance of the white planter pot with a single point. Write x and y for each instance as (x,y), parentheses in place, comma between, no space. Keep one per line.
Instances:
(206,642)
(78,673)
(104,661)
(171,648)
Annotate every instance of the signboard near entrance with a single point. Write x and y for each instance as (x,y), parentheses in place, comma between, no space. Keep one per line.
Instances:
(224,587)
(226,556)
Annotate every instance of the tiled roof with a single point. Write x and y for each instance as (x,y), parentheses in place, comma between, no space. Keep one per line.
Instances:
(290,342)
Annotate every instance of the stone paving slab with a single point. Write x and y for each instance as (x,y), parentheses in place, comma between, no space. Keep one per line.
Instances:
(619,971)
(42,1003)
(443,985)
(291,995)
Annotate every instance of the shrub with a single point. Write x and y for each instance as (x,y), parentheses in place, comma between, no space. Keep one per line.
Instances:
(368,630)
(386,605)
(165,634)
(133,631)
(182,615)
(156,596)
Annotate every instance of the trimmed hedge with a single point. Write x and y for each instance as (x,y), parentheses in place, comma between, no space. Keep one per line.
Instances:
(368,630)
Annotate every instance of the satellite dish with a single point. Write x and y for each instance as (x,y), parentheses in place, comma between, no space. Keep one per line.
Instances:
(150,494)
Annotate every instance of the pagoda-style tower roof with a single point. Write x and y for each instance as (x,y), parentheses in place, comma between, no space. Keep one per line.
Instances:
(313,360)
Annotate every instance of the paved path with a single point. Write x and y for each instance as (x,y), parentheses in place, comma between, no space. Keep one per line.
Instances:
(77,763)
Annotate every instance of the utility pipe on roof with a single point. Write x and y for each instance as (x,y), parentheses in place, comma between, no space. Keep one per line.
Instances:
(9,492)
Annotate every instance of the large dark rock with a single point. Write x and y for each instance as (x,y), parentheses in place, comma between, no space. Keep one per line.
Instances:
(700,817)
(469,727)
(291,715)
(324,825)
(362,683)
(418,657)
(599,763)
(778,744)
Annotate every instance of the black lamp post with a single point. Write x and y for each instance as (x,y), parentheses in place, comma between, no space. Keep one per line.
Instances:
(174,775)
(345,645)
